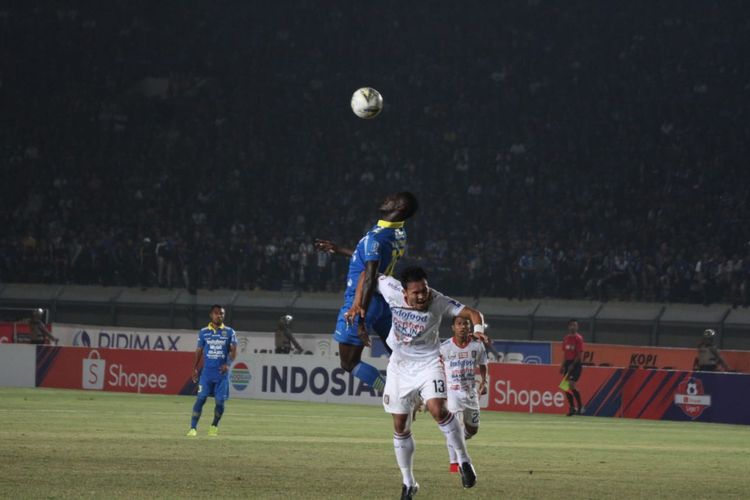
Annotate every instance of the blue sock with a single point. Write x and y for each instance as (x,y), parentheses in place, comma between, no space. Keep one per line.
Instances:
(369,375)
(197,409)
(218,412)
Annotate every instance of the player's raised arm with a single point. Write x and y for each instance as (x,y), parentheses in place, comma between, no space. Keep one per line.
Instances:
(330,247)
(477,318)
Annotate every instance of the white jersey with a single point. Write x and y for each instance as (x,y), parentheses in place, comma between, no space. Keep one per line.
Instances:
(415,335)
(460,372)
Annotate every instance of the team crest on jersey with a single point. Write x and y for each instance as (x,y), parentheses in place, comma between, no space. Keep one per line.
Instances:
(386,398)
(691,398)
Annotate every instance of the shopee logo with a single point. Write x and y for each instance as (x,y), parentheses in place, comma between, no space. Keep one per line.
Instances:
(93,371)
(118,377)
(506,395)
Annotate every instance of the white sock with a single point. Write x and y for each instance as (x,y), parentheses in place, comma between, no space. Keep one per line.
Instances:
(404,447)
(454,436)
(452,455)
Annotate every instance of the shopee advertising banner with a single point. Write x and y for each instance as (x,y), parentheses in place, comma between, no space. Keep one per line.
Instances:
(300,378)
(119,370)
(665,358)
(624,392)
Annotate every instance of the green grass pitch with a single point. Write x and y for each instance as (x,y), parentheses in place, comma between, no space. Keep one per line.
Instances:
(71,444)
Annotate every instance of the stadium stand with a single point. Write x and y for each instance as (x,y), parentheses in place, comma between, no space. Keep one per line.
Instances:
(150,148)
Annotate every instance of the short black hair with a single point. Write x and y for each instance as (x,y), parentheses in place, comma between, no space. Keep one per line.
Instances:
(571,320)
(216,306)
(459,317)
(411,205)
(412,274)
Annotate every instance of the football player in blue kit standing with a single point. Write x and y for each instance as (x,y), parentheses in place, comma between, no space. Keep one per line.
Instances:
(217,347)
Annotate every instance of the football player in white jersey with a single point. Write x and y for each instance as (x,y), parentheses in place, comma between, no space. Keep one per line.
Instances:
(462,355)
(416,370)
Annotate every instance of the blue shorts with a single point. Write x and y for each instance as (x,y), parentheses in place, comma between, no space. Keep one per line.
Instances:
(216,385)
(377,320)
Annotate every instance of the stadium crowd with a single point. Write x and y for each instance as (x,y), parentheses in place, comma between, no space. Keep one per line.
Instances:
(558,150)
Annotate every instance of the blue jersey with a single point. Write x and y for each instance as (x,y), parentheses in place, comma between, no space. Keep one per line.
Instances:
(386,243)
(216,343)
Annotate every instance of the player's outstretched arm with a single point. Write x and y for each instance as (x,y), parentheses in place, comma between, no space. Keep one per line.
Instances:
(331,247)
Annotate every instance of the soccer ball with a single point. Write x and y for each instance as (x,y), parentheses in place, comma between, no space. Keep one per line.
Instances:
(367,102)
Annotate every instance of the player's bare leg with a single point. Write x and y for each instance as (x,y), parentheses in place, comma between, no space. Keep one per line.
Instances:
(451,426)
(350,358)
(350,355)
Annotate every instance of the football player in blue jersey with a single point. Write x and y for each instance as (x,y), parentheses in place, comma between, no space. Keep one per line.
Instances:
(377,252)
(217,347)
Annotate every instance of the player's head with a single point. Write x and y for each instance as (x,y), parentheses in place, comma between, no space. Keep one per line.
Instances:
(416,291)
(572,325)
(399,206)
(286,319)
(217,314)
(37,313)
(709,334)
(461,328)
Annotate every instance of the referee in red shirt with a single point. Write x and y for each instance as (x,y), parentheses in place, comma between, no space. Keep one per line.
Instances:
(572,345)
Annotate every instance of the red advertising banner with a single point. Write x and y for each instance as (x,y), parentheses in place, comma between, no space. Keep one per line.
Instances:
(119,370)
(623,392)
(665,358)
(6,333)
(534,388)
(20,329)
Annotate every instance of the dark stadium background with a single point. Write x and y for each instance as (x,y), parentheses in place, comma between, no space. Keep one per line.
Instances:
(559,149)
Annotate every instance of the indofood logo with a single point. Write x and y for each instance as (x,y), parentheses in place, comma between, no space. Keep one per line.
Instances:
(691,399)
(240,376)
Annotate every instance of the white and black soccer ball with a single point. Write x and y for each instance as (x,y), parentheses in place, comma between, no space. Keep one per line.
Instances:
(367,103)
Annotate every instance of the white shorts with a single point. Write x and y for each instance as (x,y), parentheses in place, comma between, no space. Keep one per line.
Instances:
(460,400)
(469,416)
(405,380)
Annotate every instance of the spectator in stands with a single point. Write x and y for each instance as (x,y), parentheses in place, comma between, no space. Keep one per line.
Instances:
(120,155)
(709,359)
(39,334)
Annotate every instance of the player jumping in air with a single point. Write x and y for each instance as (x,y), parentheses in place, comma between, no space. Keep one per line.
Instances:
(462,354)
(416,370)
(217,347)
(377,252)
